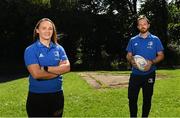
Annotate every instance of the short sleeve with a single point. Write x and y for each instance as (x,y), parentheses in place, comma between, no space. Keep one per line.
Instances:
(63,55)
(30,56)
(159,46)
(129,46)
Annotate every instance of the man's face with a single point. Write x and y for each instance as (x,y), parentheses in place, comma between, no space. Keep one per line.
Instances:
(143,26)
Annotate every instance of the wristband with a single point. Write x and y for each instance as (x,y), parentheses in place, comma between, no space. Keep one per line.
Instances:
(46,68)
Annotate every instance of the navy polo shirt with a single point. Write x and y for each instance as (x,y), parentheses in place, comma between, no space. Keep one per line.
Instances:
(148,48)
(37,53)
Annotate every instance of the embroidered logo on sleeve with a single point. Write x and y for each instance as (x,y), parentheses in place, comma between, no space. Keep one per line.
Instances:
(41,55)
(135,44)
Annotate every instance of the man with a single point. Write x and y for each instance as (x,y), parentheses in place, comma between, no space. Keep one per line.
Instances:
(150,47)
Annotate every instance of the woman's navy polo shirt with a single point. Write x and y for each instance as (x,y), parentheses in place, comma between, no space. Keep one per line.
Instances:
(37,53)
(148,48)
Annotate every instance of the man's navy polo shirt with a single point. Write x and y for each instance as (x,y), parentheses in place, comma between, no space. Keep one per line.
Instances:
(148,48)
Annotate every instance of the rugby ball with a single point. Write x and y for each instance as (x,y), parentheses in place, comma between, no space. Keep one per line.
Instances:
(140,62)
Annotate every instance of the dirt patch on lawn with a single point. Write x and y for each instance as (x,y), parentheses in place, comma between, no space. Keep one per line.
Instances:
(107,80)
(104,80)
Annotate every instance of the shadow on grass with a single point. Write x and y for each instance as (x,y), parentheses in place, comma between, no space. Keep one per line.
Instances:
(12,75)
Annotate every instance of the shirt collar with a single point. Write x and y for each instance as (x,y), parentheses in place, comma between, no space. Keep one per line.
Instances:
(39,44)
(148,36)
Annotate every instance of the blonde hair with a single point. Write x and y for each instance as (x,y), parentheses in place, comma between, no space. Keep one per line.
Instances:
(142,17)
(54,35)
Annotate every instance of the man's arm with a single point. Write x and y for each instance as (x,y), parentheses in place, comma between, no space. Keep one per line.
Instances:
(130,59)
(159,58)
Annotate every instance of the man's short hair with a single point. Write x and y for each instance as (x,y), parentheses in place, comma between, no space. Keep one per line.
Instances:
(142,17)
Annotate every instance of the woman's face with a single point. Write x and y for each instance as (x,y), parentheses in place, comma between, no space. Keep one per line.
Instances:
(45,30)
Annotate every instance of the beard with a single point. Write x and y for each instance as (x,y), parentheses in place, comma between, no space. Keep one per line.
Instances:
(143,30)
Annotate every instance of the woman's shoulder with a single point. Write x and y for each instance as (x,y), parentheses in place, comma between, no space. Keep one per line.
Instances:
(59,47)
(31,47)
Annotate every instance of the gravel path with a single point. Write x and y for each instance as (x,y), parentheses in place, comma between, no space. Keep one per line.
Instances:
(98,80)
(107,80)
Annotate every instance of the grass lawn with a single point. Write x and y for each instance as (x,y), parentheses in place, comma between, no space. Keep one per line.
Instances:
(81,100)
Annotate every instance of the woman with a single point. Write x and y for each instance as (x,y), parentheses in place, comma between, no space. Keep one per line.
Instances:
(46,61)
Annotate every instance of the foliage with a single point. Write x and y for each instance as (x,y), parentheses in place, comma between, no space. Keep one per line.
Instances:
(94,33)
(16,27)
(156,11)
(174,22)
(106,33)
(174,31)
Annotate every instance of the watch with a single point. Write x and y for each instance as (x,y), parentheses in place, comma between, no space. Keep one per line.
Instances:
(46,68)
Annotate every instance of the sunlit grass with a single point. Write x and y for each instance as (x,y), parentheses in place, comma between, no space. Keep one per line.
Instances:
(81,100)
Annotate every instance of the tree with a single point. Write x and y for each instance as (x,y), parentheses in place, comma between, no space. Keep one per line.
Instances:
(174,29)
(174,22)
(111,27)
(157,12)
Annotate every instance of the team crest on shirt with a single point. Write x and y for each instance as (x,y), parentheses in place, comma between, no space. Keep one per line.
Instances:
(150,44)
(56,54)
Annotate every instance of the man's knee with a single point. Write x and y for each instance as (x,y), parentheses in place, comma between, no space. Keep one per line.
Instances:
(132,100)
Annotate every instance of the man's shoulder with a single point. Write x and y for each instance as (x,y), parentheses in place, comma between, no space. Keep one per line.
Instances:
(154,36)
(134,37)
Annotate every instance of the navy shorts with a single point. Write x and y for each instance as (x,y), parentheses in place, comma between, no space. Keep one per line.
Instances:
(45,104)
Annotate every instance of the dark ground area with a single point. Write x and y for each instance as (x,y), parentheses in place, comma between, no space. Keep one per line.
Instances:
(12,72)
